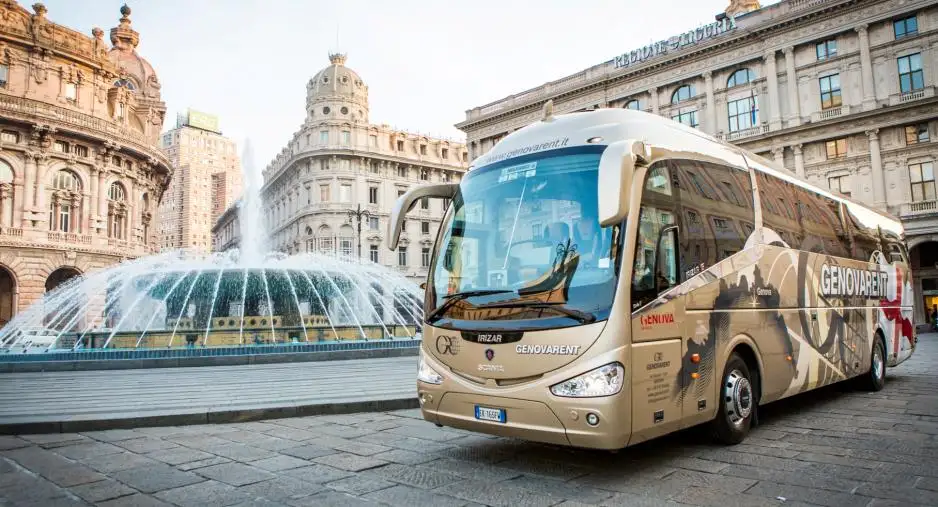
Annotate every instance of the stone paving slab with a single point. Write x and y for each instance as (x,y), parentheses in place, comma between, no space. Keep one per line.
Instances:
(834,447)
(73,401)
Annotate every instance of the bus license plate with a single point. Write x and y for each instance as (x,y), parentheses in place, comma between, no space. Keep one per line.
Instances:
(490,414)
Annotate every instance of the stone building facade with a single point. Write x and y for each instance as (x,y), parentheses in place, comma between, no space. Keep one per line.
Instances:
(226,232)
(207,180)
(339,162)
(840,92)
(80,168)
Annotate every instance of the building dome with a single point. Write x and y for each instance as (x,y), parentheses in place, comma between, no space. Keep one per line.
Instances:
(337,92)
(140,76)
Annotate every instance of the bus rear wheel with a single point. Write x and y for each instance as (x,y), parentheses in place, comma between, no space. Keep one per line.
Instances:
(737,402)
(875,379)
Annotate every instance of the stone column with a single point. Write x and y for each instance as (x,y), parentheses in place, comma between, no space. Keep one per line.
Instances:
(93,214)
(41,167)
(711,103)
(794,119)
(876,165)
(18,202)
(54,226)
(866,69)
(29,187)
(654,99)
(86,220)
(799,160)
(74,200)
(774,104)
(132,210)
(102,195)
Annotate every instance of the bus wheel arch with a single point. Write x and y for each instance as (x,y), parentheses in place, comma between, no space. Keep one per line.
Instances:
(746,348)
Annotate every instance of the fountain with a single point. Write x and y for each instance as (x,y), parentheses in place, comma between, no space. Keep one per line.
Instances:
(244,297)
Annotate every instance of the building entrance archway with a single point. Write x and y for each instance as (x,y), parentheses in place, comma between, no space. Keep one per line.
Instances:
(7,296)
(924,260)
(60,276)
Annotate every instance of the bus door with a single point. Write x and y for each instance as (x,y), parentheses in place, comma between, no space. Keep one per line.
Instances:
(657,344)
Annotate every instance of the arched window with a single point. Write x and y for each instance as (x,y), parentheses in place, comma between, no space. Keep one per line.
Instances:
(632,104)
(125,83)
(116,211)
(683,93)
(325,241)
(309,231)
(65,205)
(6,194)
(740,77)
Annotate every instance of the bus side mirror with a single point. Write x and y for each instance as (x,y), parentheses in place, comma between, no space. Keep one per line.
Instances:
(406,202)
(616,168)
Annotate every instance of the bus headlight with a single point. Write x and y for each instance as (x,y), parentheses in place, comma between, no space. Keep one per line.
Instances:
(603,381)
(427,374)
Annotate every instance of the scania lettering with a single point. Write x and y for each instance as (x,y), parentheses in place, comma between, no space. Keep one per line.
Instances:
(619,264)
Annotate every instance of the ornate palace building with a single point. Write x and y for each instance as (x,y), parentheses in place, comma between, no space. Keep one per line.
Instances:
(206,181)
(840,92)
(81,171)
(339,162)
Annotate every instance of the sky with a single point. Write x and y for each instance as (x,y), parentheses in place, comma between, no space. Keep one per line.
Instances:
(425,63)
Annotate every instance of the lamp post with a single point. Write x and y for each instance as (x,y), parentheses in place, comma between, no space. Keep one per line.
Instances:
(358,214)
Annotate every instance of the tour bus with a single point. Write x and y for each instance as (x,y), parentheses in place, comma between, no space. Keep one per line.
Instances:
(606,277)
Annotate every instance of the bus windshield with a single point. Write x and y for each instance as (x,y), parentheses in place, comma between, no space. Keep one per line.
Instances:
(521,246)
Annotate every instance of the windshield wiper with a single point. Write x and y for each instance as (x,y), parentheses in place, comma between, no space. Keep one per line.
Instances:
(452,299)
(582,317)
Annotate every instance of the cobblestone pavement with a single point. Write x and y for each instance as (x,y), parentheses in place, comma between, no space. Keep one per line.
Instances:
(834,447)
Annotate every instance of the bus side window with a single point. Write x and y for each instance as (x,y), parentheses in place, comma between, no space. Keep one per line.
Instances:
(666,273)
(657,215)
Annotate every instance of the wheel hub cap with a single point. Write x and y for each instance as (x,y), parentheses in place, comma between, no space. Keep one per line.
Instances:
(877,363)
(737,395)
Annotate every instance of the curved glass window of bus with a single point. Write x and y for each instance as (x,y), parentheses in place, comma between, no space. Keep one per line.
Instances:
(656,258)
(823,231)
(784,224)
(521,233)
(863,229)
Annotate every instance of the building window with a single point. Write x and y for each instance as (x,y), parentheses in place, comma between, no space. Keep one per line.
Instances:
(424,174)
(923,181)
(323,136)
(632,104)
(402,256)
(346,137)
(9,137)
(688,118)
(425,257)
(404,225)
(423,149)
(324,193)
(445,177)
(402,172)
(345,246)
(4,75)
(915,134)
(373,223)
(425,227)
(373,195)
(345,193)
(743,113)
(836,148)
(400,193)
(905,27)
(465,156)
(60,147)
(400,146)
(373,253)
(830,91)
(81,151)
(910,73)
(373,141)
(681,94)
(740,77)
(119,111)
(71,92)
(424,203)
(64,206)
(826,49)
(444,154)
(840,185)
(117,211)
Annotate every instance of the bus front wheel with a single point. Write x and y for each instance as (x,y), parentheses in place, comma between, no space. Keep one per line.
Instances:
(737,402)
(875,379)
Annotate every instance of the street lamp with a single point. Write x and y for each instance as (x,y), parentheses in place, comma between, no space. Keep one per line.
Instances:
(358,214)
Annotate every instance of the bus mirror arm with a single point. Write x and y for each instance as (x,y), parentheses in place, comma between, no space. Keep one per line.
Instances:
(405,202)
(616,168)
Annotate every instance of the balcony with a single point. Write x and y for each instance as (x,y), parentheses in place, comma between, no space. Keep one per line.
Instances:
(11,231)
(911,209)
(28,109)
(902,98)
(827,114)
(69,237)
(118,243)
(758,130)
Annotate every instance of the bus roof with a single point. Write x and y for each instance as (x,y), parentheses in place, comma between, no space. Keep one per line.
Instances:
(613,124)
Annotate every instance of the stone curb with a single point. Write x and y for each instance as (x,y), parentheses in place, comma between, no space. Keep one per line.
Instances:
(132,364)
(209,417)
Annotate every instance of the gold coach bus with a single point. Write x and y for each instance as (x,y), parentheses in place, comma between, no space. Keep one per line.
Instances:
(603,278)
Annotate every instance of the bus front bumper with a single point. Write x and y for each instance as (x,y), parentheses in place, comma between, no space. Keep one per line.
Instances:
(564,421)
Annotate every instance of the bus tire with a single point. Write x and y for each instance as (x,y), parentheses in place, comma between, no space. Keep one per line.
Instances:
(737,403)
(875,378)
